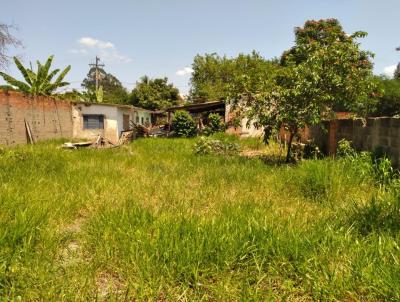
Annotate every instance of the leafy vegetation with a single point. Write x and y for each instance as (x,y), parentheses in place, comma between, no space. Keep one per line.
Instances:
(215,124)
(39,82)
(212,74)
(110,88)
(216,146)
(154,94)
(183,124)
(388,103)
(326,68)
(193,227)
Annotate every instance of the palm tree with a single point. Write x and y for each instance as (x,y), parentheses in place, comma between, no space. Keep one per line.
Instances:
(38,83)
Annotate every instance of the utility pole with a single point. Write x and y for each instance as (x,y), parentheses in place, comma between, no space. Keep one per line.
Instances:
(96,66)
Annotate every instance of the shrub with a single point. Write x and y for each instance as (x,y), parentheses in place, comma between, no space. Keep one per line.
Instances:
(374,164)
(215,124)
(183,124)
(311,150)
(345,149)
(215,146)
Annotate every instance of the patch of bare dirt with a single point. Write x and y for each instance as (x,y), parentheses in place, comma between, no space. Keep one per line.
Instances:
(108,284)
(72,253)
(252,153)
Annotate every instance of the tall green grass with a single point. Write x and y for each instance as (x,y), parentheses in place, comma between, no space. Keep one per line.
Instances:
(154,221)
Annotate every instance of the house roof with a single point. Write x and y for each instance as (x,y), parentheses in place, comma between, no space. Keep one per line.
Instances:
(199,107)
(122,106)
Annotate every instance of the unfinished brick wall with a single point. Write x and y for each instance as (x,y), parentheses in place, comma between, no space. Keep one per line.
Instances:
(48,118)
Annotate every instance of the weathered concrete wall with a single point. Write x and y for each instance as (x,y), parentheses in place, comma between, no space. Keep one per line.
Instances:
(242,130)
(47,117)
(110,114)
(383,132)
(249,130)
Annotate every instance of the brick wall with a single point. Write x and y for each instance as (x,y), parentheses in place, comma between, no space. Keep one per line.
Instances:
(48,118)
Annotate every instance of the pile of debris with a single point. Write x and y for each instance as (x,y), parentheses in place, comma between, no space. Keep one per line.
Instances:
(126,136)
(156,131)
(101,142)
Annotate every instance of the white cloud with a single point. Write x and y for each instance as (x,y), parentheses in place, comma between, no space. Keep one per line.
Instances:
(389,70)
(95,43)
(105,49)
(109,56)
(184,71)
(78,51)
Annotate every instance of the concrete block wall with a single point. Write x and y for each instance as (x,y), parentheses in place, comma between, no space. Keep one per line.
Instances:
(366,135)
(47,117)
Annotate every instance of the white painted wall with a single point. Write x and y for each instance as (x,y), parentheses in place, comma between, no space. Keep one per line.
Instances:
(250,131)
(120,118)
(146,115)
(243,130)
(113,120)
(110,113)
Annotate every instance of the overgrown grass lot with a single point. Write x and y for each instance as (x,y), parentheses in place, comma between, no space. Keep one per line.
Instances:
(153,221)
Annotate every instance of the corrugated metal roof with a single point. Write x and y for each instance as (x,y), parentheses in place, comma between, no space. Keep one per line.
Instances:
(198,106)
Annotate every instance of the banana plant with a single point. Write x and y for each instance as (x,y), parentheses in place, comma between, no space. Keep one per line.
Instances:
(39,82)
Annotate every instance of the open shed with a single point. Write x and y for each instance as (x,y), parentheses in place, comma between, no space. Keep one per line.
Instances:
(201,110)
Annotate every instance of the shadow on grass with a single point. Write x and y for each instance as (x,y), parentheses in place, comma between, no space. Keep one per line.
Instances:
(274,160)
(380,215)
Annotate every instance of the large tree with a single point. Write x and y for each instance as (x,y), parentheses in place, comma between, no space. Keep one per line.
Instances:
(324,69)
(212,74)
(7,39)
(111,87)
(389,97)
(154,94)
(39,82)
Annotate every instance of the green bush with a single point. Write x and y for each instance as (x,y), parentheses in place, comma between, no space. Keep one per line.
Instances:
(374,164)
(215,124)
(183,124)
(344,149)
(215,146)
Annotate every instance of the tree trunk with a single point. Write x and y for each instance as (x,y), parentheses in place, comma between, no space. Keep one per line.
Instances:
(289,150)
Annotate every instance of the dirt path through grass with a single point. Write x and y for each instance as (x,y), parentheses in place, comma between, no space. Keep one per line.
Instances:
(72,254)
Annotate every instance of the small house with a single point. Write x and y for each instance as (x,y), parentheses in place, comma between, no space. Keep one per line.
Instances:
(108,120)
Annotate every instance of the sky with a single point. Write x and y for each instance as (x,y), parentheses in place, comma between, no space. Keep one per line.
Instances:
(159,38)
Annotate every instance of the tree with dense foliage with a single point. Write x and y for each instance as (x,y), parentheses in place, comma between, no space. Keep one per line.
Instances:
(112,89)
(39,82)
(212,74)
(388,103)
(82,96)
(154,94)
(6,40)
(325,68)
(183,124)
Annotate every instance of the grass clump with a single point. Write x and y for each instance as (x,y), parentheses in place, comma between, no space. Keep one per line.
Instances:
(214,146)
